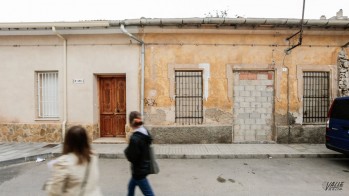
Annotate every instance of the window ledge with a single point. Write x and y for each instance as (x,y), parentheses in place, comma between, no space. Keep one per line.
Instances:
(322,123)
(47,119)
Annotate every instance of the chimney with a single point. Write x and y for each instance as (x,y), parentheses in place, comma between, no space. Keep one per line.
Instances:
(339,14)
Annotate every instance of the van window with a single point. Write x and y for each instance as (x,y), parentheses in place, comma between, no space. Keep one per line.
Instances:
(340,109)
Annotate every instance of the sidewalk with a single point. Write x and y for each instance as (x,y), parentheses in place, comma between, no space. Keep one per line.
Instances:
(13,153)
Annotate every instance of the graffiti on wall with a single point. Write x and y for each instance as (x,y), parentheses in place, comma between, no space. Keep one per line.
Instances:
(149,102)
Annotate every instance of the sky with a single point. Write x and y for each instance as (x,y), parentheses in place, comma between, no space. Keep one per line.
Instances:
(81,10)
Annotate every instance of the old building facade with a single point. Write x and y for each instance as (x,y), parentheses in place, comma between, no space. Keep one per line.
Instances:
(196,80)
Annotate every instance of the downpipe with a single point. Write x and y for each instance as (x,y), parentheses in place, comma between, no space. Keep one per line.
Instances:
(64,122)
(122,27)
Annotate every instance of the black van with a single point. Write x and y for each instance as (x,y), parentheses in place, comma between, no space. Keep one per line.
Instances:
(337,126)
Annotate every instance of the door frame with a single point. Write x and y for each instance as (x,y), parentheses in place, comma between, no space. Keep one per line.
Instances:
(276,68)
(98,98)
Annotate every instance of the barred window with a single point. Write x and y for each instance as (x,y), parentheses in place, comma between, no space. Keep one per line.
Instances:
(188,97)
(47,94)
(316,96)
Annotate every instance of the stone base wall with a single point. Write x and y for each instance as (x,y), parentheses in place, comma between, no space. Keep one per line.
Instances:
(191,134)
(313,134)
(92,130)
(51,133)
(16,132)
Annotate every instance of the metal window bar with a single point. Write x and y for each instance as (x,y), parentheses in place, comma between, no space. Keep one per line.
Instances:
(316,96)
(189,97)
(47,94)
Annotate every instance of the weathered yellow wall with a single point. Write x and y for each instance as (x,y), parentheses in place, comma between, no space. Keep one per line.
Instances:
(220,50)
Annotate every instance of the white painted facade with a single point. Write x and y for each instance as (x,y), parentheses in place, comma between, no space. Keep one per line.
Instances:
(88,56)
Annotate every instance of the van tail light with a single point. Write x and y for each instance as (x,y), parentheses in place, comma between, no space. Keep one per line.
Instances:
(328,117)
(328,125)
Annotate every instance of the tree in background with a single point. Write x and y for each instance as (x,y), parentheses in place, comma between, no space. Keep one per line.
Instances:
(217,14)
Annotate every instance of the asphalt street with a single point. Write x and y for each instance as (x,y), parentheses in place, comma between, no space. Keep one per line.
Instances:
(296,176)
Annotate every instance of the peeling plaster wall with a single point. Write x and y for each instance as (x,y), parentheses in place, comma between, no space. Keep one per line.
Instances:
(219,50)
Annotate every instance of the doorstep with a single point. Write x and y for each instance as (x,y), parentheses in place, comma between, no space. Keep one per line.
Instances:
(110,140)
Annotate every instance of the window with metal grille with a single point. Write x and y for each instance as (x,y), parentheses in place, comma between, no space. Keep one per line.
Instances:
(188,93)
(316,96)
(47,94)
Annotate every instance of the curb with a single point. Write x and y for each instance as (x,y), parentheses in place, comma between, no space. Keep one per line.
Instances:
(179,156)
(24,159)
(227,156)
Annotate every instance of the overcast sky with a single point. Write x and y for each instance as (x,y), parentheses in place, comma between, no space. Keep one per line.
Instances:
(78,10)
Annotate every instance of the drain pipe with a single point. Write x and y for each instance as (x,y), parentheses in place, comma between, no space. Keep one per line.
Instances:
(64,81)
(122,27)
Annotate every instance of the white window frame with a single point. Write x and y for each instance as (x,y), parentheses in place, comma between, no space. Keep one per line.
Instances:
(47,94)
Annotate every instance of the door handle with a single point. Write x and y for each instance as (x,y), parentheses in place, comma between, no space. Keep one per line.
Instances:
(116,111)
(117,107)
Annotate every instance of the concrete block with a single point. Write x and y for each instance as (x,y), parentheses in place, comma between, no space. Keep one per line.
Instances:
(250,88)
(250,136)
(236,93)
(256,127)
(238,99)
(255,116)
(245,93)
(250,99)
(245,82)
(260,132)
(260,122)
(250,110)
(267,105)
(245,104)
(239,121)
(255,82)
(239,110)
(244,115)
(262,99)
(261,137)
(270,89)
(266,82)
(256,94)
(267,93)
(261,110)
(238,137)
(261,88)
(239,132)
(268,110)
(256,105)
(266,116)
(239,88)
(245,127)
(250,121)
(262,76)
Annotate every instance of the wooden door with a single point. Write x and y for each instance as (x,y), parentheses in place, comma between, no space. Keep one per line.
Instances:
(112,98)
